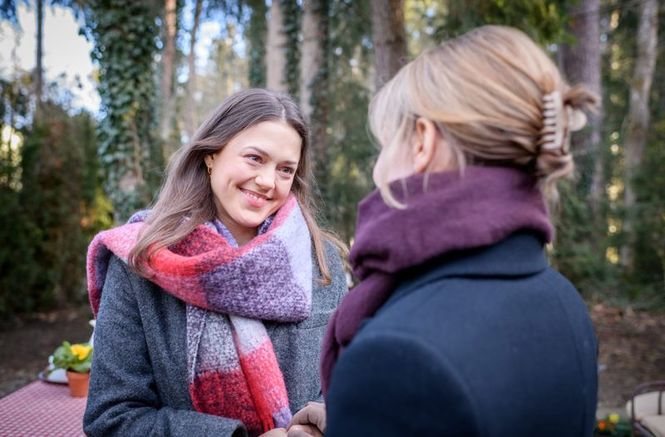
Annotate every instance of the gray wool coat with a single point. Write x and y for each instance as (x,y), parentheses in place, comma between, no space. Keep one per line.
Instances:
(138,382)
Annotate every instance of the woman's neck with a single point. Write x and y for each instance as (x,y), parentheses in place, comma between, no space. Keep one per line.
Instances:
(241,235)
(243,238)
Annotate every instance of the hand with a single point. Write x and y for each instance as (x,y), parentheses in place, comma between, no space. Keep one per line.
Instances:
(309,422)
(277,432)
(304,431)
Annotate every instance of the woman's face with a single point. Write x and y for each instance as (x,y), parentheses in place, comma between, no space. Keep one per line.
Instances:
(424,150)
(392,164)
(251,177)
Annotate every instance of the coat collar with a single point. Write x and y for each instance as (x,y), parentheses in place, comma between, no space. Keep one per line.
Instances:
(520,254)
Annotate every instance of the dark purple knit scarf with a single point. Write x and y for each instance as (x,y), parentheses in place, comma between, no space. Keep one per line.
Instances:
(453,212)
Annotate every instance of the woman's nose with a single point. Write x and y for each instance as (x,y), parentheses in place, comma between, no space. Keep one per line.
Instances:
(266,179)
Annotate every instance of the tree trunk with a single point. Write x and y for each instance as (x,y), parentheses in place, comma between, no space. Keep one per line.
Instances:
(39,67)
(190,106)
(314,85)
(581,62)
(276,53)
(255,34)
(313,55)
(389,39)
(168,73)
(291,15)
(638,118)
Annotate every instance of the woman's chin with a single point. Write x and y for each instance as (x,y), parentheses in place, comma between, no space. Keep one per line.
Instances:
(252,222)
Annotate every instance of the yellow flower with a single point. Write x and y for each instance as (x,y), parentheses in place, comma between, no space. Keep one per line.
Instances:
(81,351)
(614,418)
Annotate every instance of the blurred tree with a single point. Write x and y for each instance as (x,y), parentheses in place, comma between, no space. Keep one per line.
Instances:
(581,239)
(48,187)
(48,182)
(190,106)
(336,70)
(649,250)
(39,60)
(225,71)
(573,252)
(423,20)
(648,276)
(388,35)
(124,33)
(255,34)
(638,118)
(291,15)
(619,22)
(53,163)
(276,46)
(543,20)
(168,63)
(8,11)
(350,149)
(14,109)
(581,63)
(17,270)
(315,86)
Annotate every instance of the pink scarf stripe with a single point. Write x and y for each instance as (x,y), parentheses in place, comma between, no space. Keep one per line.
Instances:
(266,384)
(225,394)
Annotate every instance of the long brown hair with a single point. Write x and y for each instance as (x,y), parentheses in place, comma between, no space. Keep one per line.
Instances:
(186,191)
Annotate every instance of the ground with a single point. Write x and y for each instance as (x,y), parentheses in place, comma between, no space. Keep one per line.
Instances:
(632,348)
(632,351)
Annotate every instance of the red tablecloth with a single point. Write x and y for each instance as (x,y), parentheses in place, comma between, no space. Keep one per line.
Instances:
(41,409)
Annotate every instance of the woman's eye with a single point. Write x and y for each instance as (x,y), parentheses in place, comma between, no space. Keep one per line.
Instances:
(253,158)
(288,170)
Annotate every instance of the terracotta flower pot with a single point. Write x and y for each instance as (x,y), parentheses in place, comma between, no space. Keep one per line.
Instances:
(78,384)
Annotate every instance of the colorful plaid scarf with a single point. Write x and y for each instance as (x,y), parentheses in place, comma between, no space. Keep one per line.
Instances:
(232,367)
(452,213)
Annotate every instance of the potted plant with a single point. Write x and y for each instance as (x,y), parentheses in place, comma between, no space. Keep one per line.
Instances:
(76,360)
(612,425)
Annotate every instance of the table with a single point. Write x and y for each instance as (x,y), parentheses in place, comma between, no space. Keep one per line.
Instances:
(41,409)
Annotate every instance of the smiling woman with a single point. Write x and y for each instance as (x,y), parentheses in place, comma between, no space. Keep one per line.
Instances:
(212,306)
(252,176)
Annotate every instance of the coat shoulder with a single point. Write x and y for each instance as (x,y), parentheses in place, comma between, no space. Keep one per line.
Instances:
(514,344)
(330,294)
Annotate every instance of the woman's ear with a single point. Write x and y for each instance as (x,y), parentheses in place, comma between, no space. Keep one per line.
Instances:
(208,159)
(423,149)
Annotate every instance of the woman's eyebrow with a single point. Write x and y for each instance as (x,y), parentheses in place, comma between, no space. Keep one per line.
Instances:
(256,149)
(264,153)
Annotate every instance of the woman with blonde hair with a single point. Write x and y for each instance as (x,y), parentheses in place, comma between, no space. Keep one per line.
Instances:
(211,307)
(459,326)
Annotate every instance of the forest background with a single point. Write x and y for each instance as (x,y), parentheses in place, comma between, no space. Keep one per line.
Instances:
(66,173)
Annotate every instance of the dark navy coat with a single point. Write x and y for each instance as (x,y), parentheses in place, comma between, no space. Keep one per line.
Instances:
(489,342)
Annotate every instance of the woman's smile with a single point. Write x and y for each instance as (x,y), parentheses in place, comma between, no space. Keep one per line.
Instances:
(255,199)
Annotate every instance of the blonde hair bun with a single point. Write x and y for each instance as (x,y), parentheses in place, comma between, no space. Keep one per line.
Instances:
(497,97)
